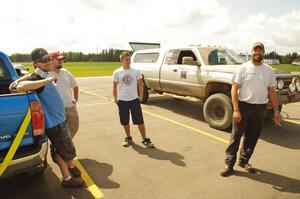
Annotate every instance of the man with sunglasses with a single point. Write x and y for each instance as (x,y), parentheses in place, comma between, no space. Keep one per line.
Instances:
(63,150)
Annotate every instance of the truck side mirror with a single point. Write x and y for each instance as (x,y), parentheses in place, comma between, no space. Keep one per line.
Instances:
(189,61)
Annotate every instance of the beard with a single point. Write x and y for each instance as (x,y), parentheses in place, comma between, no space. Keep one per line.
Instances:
(257,58)
(59,66)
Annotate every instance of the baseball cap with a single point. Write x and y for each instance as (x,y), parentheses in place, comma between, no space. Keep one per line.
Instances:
(258,44)
(39,55)
(57,56)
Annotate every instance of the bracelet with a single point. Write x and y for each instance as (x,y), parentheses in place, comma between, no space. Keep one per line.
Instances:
(276,111)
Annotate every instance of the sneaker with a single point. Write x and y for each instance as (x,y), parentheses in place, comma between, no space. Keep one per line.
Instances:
(75,172)
(73,182)
(228,171)
(147,142)
(128,141)
(248,167)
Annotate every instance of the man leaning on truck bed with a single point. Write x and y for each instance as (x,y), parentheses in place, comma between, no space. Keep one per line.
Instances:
(55,125)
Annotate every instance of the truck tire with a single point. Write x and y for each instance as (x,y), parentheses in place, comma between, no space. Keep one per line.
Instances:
(145,93)
(270,113)
(218,111)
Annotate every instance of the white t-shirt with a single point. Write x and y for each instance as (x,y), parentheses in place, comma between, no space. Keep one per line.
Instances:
(65,84)
(254,82)
(127,80)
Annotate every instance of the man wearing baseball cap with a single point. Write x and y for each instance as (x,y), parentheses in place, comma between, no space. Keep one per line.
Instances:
(68,90)
(253,86)
(55,125)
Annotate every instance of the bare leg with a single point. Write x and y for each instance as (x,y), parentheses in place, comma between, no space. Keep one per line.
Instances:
(127,130)
(63,166)
(142,130)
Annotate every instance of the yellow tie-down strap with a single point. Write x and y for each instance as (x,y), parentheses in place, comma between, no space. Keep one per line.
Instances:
(16,143)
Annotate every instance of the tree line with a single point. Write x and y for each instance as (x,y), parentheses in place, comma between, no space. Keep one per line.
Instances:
(112,55)
(284,59)
(106,55)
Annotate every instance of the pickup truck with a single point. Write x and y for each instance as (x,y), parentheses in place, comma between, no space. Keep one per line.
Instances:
(31,153)
(204,72)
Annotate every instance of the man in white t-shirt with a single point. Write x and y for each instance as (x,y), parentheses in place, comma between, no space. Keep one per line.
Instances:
(253,86)
(68,89)
(129,80)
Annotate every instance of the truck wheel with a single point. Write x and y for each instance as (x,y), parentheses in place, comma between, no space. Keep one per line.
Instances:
(218,111)
(145,95)
(270,113)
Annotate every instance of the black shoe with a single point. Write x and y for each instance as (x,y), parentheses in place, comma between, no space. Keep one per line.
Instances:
(128,141)
(75,172)
(72,183)
(248,167)
(228,171)
(147,142)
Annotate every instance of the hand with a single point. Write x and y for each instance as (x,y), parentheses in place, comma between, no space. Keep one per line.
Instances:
(116,101)
(13,86)
(74,101)
(140,98)
(277,119)
(237,117)
(51,79)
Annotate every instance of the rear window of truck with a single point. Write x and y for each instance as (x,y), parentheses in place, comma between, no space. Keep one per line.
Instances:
(4,74)
(145,57)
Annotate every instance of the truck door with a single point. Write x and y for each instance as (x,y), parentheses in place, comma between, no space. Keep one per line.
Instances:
(170,74)
(186,73)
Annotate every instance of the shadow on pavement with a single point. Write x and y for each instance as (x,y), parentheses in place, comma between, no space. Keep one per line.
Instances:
(99,172)
(183,107)
(278,182)
(46,185)
(159,154)
(288,135)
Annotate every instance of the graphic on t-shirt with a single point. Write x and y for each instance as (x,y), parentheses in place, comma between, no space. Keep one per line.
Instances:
(127,79)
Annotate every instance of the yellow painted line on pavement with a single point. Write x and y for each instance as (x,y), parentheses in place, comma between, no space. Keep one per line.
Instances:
(292,121)
(91,186)
(188,127)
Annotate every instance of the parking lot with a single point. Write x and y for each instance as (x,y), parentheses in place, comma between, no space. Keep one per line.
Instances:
(185,163)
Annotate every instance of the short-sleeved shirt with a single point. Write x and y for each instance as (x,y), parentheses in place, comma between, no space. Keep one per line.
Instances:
(254,82)
(127,80)
(65,83)
(52,103)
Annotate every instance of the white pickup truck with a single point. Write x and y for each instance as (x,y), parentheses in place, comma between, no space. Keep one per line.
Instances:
(205,73)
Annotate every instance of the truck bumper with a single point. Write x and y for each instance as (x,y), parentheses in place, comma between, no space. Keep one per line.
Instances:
(28,163)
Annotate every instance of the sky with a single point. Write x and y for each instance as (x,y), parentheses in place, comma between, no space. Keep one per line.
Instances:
(92,25)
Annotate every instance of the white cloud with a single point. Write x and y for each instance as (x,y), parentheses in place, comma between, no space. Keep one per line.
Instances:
(88,25)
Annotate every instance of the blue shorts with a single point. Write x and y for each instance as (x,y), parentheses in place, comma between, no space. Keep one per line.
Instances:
(136,111)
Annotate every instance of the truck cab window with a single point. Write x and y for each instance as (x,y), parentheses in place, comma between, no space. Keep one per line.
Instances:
(186,53)
(145,58)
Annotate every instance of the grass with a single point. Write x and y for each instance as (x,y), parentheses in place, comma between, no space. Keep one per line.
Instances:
(86,69)
(93,69)
(287,67)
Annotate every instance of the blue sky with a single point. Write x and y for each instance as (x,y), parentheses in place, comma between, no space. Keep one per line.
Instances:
(91,25)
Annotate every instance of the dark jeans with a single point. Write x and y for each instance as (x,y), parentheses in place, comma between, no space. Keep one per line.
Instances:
(250,126)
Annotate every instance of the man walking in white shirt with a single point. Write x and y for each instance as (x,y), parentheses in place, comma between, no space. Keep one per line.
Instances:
(68,89)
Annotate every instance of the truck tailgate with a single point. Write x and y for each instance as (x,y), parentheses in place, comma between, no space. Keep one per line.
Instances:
(13,109)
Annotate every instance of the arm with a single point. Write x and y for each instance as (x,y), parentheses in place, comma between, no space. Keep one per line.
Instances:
(274,101)
(235,101)
(115,90)
(75,93)
(141,89)
(16,82)
(25,86)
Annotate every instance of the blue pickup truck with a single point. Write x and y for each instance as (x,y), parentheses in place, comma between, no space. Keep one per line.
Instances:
(31,154)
